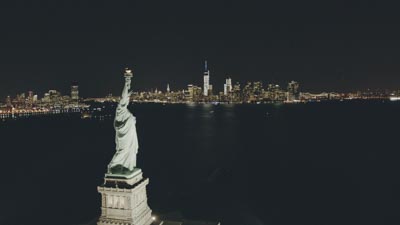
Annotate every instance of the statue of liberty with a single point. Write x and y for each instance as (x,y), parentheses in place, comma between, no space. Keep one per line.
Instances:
(124,160)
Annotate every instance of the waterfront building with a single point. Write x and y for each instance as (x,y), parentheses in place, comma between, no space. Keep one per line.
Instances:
(46,98)
(248,92)
(54,97)
(30,99)
(210,90)
(228,86)
(293,93)
(206,80)
(258,91)
(274,93)
(75,94)
(194,93)
(8,102)
(236,93)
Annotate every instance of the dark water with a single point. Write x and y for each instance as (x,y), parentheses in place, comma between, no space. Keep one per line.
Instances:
(327,163)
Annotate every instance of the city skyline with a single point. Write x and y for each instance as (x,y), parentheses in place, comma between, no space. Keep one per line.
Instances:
(227,85)
(352,46)
(55,102)
(208,82)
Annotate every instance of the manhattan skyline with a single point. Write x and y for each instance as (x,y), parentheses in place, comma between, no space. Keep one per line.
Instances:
(216,89)
(351,46)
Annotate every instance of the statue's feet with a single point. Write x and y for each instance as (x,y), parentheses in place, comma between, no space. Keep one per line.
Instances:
(120,170)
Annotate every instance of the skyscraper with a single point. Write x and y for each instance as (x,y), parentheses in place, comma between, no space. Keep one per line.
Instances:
(190,92)
(30,98)
(194,92)
(228,86)
(248,92)
(275,93)
(8,101)
(258,90)
(75,93)
(293,91)
(30,95)
(236,92)
(206,78)
(46,98)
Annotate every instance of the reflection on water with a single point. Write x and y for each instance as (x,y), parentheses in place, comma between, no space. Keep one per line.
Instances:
(241,164)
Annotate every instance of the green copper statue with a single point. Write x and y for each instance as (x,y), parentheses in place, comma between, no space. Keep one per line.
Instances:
(124,160)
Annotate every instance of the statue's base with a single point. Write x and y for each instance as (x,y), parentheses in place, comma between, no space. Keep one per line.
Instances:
(131,179)
(124,200)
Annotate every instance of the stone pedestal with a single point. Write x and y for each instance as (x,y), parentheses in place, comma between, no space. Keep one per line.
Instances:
(124,200)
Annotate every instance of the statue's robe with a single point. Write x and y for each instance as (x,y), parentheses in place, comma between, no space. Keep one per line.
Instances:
(125,138)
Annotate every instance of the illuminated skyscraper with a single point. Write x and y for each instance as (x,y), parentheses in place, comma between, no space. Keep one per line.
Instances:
(210,90)
(30,95)
(46,98)
(206,78)
(236,92)
(194,92)
(275,93)
(190,92)
(293,91)
(30,98)
(228,86)
(168,90)
(8,101)
(258,90)
(54,97)
(248,92)
(74,91)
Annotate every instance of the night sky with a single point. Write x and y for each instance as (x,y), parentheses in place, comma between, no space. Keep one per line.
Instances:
(325,45)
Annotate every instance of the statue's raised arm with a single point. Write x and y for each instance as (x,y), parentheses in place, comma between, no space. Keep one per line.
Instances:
(124,160)
(126,94)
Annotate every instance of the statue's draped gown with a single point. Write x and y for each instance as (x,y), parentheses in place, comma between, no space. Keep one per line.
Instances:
(125,135)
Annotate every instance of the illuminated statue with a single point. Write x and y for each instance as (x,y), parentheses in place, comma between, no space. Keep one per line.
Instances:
(124,160)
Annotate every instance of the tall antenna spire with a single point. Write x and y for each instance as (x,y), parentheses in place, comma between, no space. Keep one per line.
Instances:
(205,66)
